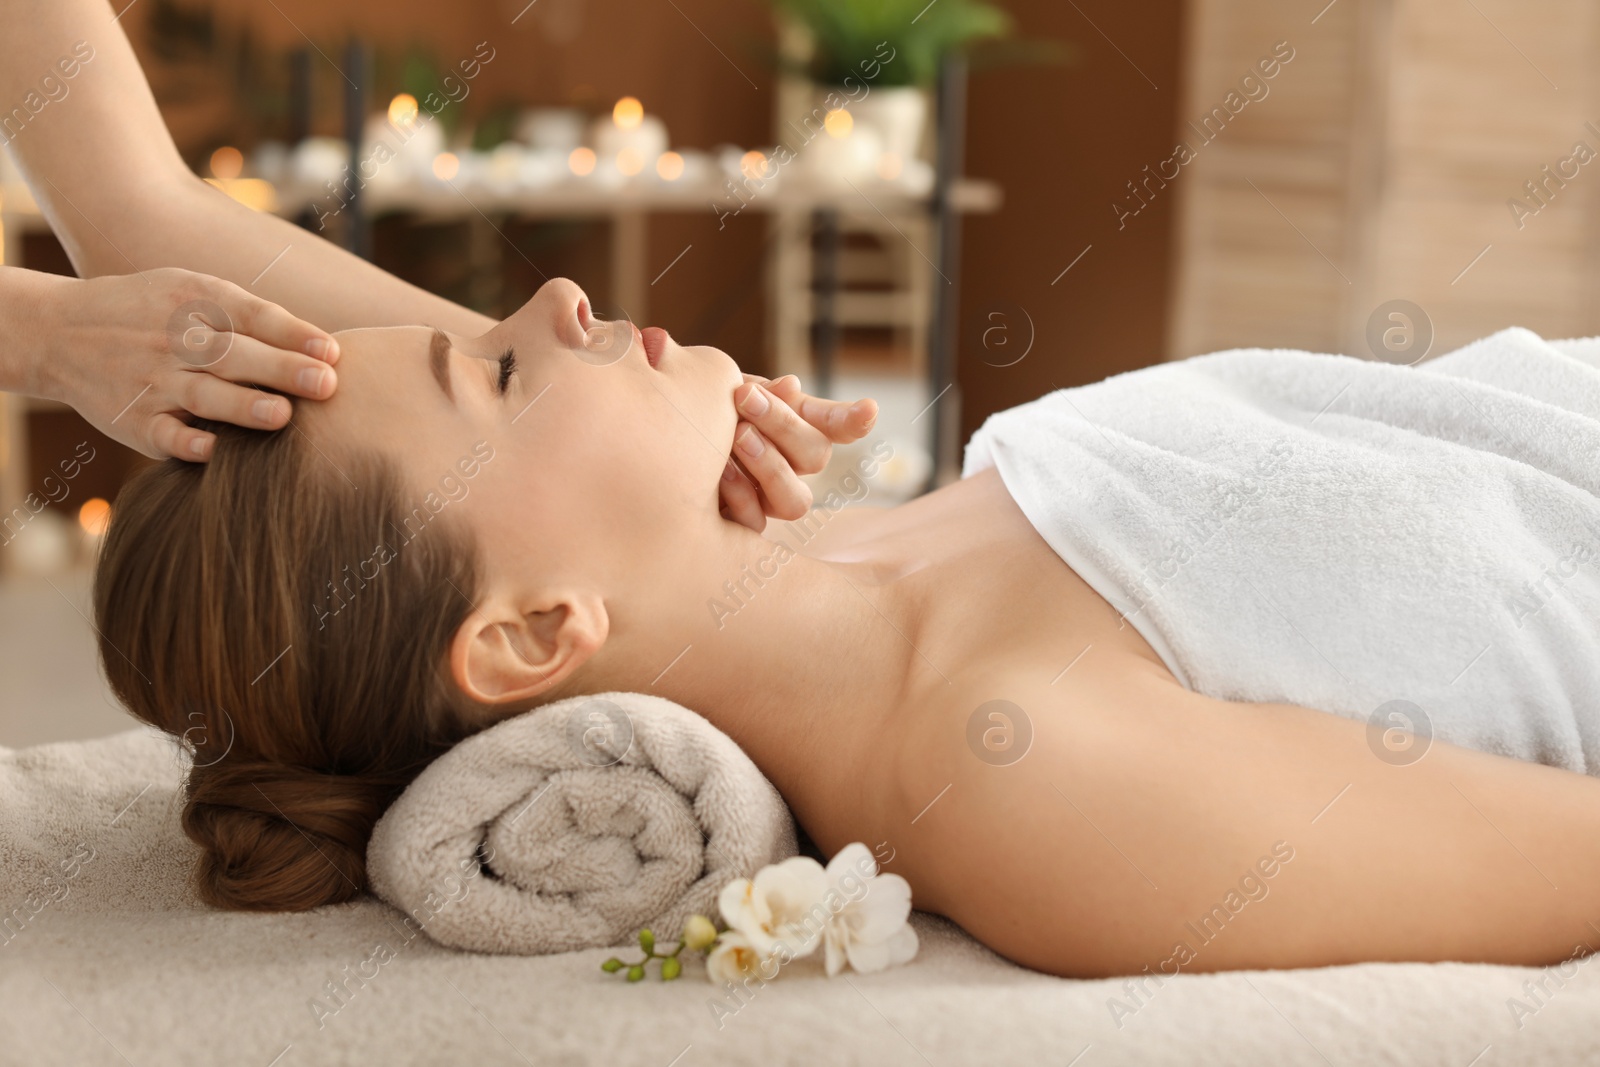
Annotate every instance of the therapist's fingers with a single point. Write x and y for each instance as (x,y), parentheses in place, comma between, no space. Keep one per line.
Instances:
(786,388)
(212,398)
(741,501)
(251,316)
(803,445)
(785,495)
(253,361)
(842,421)
(171,436)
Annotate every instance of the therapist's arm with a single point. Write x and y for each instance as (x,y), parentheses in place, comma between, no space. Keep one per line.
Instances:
(110,181)
(107,176)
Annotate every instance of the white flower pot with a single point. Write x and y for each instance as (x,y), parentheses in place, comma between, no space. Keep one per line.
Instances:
(898,114)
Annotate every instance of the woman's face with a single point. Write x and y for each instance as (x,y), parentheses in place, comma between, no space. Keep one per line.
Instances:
(565,444)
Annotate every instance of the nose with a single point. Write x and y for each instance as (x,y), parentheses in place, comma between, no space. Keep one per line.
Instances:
(561,305)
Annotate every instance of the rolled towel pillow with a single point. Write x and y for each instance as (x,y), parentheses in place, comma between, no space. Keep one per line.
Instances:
(575,824)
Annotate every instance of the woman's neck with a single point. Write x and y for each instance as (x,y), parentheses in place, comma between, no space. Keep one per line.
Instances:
(797,659)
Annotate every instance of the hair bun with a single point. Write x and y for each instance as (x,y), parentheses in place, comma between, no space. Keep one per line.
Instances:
(281,838)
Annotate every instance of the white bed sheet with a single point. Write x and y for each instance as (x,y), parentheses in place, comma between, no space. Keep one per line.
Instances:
(127,967)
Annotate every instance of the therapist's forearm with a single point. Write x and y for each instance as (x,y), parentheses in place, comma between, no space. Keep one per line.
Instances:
(187,223)
(23,296)
(104,170)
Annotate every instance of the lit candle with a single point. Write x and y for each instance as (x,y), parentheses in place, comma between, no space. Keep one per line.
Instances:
(670,166)
(628,113)
(851,151)
(412,141)
(94,517)
(227,163)
(403,111)
(630,140)
(446,165)
(753,165)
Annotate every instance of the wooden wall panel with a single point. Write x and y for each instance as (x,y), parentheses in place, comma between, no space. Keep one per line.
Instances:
(1264,252)
(1392,142)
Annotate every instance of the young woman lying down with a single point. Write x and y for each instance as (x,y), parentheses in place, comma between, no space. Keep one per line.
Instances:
(1246,661)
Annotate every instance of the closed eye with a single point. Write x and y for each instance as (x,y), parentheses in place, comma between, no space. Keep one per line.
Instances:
(508,367)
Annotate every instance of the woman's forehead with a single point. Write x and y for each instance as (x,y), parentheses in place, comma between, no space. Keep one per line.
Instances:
(371,338)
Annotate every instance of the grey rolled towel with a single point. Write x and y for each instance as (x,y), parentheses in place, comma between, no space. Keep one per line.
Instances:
(575,824)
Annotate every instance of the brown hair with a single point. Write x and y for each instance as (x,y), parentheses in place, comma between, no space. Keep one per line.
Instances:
(289,619)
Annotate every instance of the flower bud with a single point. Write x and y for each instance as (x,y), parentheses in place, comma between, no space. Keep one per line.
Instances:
(698,933)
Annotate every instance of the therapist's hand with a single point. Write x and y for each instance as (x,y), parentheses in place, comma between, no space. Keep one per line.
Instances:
(782,434)
(138,355)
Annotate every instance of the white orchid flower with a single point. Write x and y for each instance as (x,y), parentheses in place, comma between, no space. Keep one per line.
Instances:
(788,909)
(782,905)
(734,959)
(869,927)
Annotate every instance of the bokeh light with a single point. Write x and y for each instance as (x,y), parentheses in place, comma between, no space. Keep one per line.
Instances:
(581,161)
(94,516)
(839,123)
(253,193)
(628,113)
(670,166)
(446,166)
(227,163)
(403,110)
(753,164)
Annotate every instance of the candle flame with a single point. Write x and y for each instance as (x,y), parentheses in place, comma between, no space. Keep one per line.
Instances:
(628,113)
(227,163)
(753,164)
(670,166)
(94,516)
(403,110)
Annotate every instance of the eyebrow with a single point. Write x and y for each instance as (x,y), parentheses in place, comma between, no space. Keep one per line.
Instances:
(439,363)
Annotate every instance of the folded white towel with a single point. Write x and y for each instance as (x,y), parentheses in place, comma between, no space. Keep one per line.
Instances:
(574,825)
(1414,546)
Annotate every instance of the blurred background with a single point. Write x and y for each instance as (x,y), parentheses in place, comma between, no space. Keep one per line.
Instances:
(953,206)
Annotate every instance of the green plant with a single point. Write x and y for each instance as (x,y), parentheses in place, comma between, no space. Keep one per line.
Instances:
(420,75)
(496,127)
(921,33)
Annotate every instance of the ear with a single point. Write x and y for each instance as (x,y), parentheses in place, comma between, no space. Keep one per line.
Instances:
(505,652)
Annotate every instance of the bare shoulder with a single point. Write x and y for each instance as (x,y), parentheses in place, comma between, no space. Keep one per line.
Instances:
(1116,823)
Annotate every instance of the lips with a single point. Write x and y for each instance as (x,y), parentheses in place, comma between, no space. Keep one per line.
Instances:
(654,340)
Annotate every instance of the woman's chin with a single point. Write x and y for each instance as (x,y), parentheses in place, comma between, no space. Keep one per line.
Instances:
(733,375)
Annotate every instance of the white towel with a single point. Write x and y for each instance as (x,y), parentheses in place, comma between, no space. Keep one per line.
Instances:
(1357,537)
(574,825)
